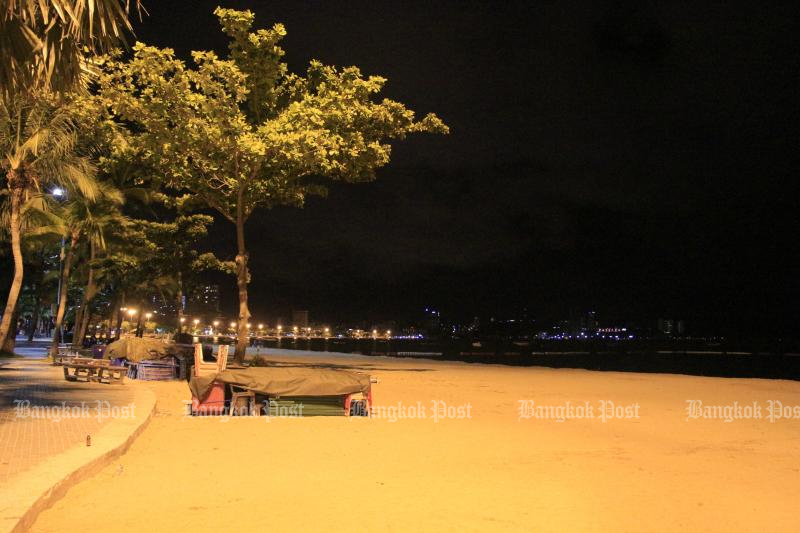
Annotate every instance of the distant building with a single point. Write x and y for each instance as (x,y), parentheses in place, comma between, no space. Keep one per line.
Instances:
(668,327)
(204,301)
(432,321)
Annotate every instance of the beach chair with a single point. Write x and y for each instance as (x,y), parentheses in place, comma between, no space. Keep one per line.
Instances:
(243,401)
(203,368)
(214,404)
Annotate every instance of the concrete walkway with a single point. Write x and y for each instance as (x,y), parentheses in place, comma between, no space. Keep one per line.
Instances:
(44,424)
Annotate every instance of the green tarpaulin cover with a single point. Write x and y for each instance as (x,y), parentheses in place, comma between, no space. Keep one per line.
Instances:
(285,381)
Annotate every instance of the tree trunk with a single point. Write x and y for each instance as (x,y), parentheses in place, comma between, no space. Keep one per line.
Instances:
(62,297)
(77,341)
(88,296)
(116,303)
(118,329)
(37,306)
(179,303)
(6,325)
(242,276)
(139,328)
(11,339)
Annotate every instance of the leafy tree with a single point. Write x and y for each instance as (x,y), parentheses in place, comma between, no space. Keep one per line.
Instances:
(175,254)
(244,133)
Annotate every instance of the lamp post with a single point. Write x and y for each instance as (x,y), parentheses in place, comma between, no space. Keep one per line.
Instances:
(216,325)
(131,314)
(147,317)
(180,327)
(57,193)
(196,321)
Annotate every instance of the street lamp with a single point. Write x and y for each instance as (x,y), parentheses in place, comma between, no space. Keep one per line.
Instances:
(131,314)
(57,193)
(216,323)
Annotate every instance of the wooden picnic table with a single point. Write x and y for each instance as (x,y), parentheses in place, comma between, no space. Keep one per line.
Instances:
(99,370)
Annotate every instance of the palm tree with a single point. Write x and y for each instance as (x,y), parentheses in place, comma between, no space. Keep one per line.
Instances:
(37,246)
(83,218)
(38,142)
(45,43)
(102,218)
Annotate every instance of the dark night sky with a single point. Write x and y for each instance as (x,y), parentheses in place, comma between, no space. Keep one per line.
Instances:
(635,158)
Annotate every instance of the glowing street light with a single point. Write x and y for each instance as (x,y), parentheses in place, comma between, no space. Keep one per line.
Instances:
(131,314)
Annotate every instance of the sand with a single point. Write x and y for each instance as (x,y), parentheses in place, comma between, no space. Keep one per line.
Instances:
(489,472)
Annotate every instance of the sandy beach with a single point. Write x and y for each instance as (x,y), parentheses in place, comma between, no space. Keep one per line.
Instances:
(490,469)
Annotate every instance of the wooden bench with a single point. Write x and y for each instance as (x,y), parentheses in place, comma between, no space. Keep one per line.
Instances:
(93,370)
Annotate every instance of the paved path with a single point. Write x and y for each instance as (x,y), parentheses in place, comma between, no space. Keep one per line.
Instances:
(27,386)
(44,424)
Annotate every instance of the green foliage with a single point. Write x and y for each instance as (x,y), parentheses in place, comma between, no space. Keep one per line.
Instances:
(242,132)
(39,145)
(44,45)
